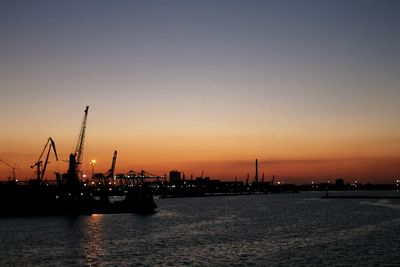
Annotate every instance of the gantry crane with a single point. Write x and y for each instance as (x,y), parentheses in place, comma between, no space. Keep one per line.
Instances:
(13,168)
(38,164)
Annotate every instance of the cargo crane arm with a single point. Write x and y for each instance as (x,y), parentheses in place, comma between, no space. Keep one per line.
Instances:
(49,146)
(80,144)
(112,170)
(13,168)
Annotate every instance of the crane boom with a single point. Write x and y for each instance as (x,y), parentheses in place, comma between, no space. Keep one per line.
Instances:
(80,144)
(52,145)
(112,170)
(5,162)
(110,173)
(49,145)
(13,168)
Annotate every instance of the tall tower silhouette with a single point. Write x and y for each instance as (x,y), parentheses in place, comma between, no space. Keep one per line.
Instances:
(256,178)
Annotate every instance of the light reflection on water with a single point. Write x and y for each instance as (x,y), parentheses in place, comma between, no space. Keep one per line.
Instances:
(273,230)
(91,243)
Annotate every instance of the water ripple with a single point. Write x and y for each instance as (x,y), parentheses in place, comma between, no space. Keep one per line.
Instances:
(264,230)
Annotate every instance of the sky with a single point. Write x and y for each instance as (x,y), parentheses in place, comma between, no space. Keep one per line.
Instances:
(309,88)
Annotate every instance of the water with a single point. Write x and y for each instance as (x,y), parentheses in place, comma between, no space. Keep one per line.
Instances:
(259,230)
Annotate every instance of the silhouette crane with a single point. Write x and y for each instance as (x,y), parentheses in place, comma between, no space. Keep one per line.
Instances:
(38,164)
(13,168)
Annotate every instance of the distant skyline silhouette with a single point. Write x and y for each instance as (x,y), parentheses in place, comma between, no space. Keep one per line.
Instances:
(310,88)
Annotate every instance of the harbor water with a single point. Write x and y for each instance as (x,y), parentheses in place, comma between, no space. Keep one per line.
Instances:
(254,230)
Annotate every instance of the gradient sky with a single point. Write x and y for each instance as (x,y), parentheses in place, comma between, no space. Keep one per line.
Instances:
(310,88)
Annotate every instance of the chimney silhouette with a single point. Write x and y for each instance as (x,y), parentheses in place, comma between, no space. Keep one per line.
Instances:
(256,179)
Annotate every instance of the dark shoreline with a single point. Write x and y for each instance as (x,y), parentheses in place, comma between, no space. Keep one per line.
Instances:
(361,197)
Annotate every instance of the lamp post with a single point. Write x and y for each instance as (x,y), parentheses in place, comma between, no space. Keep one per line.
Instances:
(92,162)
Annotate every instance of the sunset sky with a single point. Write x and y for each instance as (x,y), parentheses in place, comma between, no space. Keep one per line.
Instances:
(310,88)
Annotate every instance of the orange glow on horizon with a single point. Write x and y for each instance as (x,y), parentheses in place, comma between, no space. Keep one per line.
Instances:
(223,155)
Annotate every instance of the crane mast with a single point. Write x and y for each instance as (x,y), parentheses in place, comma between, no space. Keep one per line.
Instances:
(80,144)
